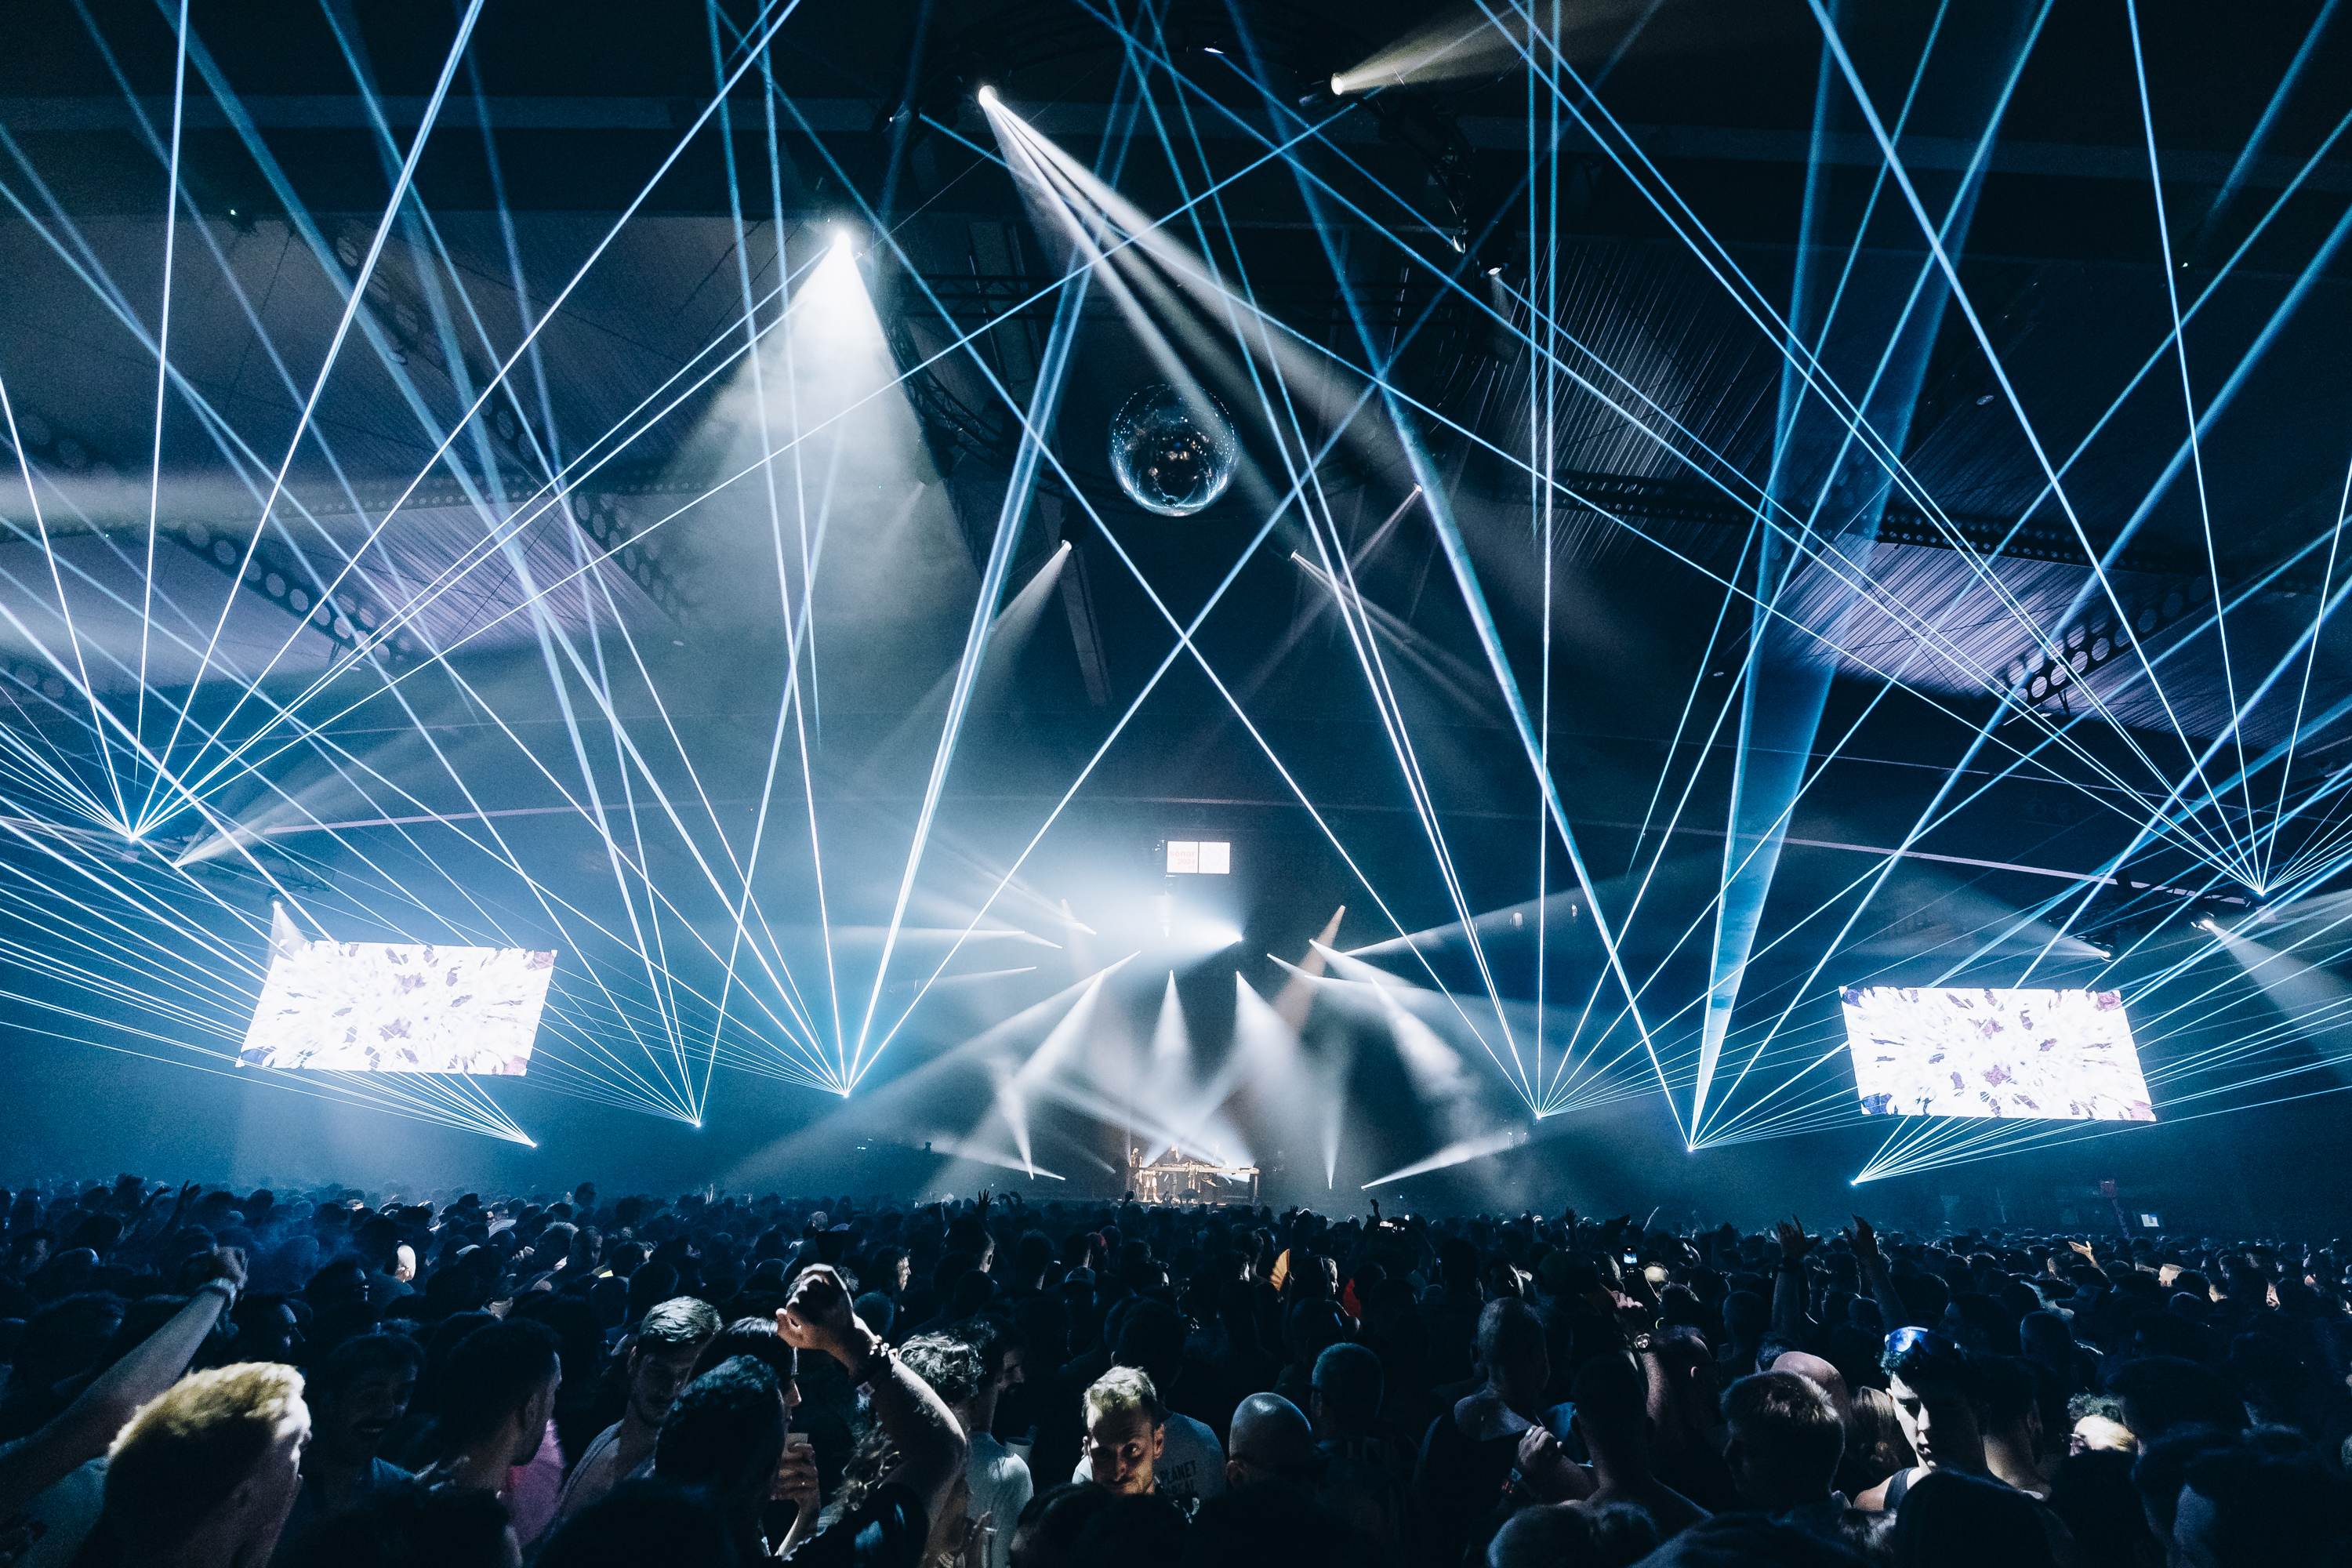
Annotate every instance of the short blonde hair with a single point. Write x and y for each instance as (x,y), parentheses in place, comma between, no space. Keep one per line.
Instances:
(1121,1392)
(190,1448)
(679,1322)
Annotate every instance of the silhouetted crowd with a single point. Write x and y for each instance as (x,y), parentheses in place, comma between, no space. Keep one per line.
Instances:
(206,1379)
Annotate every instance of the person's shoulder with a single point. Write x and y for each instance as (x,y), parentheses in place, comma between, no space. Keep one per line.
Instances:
(1199,1432)
(600,1447)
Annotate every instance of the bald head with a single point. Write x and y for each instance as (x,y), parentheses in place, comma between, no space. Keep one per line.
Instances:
(1270,1437)
(1820,1373)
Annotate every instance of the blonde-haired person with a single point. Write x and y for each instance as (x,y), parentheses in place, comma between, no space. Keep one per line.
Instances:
(81,1433)
(1126,1431)
(204,1474)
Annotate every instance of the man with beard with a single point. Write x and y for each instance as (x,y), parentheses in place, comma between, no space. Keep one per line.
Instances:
(661,1364)
(355,1396)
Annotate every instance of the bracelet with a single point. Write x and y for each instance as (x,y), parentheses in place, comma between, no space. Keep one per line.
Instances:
(881,1353)
(228,1293)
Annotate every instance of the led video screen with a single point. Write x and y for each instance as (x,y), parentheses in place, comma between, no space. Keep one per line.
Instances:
(2060,1055)
(1203,857)
(382,1007)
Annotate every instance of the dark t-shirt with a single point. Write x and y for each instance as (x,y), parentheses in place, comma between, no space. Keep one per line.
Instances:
(1700,1475)
(887,1532)
(1459,1488)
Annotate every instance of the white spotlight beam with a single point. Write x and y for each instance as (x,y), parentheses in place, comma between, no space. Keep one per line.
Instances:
(1459,1153)
(1045,399)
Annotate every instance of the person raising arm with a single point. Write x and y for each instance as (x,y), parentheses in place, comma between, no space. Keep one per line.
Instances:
(892,1526)
(85,1429)
(1877,1278)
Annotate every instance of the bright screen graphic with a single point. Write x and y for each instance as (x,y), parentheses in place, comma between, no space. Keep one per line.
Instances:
(2060,1055)
(382,1007)
(1203,857)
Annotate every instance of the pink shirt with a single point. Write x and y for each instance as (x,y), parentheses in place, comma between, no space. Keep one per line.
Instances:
(532,1490)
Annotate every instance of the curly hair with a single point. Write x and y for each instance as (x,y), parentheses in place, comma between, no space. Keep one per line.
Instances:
(950,1365)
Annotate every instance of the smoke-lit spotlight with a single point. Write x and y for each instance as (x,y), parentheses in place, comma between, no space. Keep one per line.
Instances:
(1457,1153)
(1298,993)
(2315,1003)
(980,1155)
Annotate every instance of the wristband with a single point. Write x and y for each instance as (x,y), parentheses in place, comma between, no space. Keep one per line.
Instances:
(880,1354)
(228,1292)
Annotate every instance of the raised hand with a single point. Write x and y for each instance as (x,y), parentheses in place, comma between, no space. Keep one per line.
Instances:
(821,1317)
(228,1262)
(1863,1240)
(1794,1243)
(219,1263)
(1550,1474)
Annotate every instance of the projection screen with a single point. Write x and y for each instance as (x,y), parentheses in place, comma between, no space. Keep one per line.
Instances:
(2030,1054)
(379,1006)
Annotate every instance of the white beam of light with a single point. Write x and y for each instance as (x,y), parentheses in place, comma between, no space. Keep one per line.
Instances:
(1044,401)
(980,1155)
(1460,1153)
(1290,1091)
(2316,1004)
(1015,1089)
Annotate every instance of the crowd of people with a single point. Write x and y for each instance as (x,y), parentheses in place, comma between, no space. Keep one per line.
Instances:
(210,1379)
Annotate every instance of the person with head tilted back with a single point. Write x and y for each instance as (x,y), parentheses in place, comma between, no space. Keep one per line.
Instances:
(203,1475)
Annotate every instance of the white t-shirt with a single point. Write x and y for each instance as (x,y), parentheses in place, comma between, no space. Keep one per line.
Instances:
(1191,1465)
(1001,1486)
(70,1510)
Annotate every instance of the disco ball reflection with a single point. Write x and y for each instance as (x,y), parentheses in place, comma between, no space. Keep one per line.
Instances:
(1173,457)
